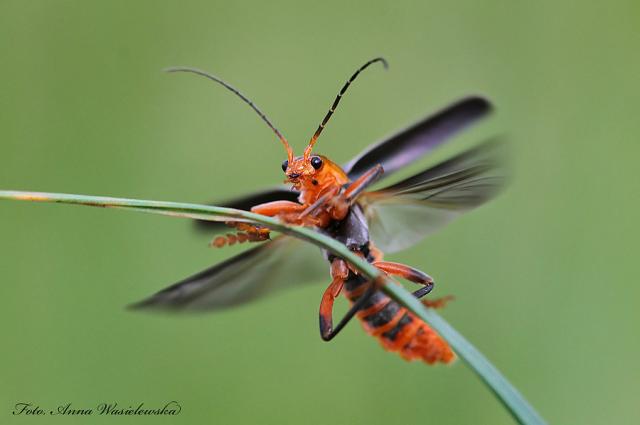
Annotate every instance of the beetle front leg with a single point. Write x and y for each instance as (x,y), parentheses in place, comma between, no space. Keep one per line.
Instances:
(289,212)
(362,182)
(255,232)
(340,202)
(246,233)
(274,208)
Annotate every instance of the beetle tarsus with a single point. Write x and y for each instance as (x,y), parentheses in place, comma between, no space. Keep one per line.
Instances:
(247,233)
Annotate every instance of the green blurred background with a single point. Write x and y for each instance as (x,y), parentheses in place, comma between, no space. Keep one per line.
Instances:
(545,276)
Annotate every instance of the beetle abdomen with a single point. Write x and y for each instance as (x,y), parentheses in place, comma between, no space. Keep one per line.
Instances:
(397,329)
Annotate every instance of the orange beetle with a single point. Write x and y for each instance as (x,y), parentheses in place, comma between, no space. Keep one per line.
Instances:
(333,200)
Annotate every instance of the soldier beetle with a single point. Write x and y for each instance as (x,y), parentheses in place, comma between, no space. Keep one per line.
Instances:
(335,200)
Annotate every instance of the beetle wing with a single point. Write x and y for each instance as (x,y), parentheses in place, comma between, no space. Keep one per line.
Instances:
(403,214)
(393,153)
(410,144)
(279,263)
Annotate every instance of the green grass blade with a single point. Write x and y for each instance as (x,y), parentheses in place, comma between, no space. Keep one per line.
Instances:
(517,405)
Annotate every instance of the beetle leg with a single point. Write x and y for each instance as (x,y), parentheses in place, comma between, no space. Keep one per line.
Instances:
(277,207)
(362,182)
(339,205)
(339,272)
(246,232)
(375,252)
(415,276)
(321,201)
(289,212)
(438,302)
(409,273)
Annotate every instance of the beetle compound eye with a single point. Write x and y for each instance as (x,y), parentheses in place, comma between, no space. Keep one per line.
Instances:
(316,162)
(285,164)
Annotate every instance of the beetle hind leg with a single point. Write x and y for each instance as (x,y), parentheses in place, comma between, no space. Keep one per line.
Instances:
(415,276)
(438,302)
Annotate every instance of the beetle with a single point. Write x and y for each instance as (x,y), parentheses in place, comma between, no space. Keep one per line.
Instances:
(336,201)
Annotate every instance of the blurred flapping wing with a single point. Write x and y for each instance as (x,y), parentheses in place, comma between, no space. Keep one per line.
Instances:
(417,140)
(403,214)
(280,263)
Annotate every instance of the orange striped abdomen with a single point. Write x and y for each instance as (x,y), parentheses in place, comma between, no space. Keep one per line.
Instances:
(398,329)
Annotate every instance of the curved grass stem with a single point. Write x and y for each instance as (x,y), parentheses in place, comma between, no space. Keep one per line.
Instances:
(510,397)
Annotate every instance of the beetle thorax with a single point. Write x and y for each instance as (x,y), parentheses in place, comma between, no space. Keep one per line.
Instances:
(313,176)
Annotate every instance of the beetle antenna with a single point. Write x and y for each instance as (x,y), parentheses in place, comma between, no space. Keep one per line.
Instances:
(313,140)
(241,96)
